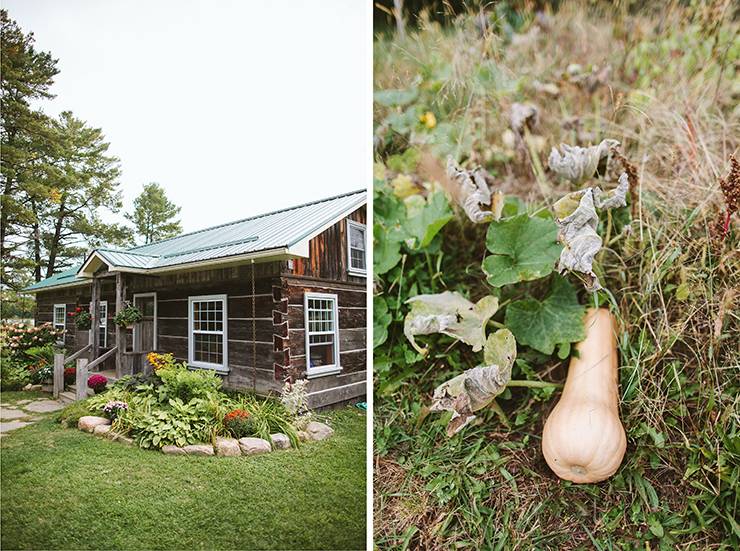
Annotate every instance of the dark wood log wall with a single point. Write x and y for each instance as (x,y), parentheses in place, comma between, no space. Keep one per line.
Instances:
(352,311)
(328,254)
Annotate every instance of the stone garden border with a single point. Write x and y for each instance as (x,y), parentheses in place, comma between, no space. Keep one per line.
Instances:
(222,447)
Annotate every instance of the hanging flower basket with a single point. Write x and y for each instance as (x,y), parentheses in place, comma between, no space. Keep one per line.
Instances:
(82,318)
(128,317)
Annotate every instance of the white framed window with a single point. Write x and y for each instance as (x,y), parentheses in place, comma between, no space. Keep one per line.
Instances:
(208,336)
(357,249)
(60,314)
(322,334)
(103,324)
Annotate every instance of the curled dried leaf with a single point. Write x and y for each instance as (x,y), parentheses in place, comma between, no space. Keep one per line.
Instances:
(578,164)
(524,115)
(477,387)
(470,190)
(577,219)
(450,314)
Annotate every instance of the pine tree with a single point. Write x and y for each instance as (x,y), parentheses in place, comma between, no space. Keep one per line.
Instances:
(25,75)
(152,214)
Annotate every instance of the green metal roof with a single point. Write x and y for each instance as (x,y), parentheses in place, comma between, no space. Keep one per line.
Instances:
(259,235)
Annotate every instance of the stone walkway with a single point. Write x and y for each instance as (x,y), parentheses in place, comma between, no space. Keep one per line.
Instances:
(22,413)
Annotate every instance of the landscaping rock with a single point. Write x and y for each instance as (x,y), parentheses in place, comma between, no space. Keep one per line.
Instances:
(173,450)
(125,440)
(319,431)
(89,422)
(29,387)
(102,430)
(280,441)
(303,436)
(198,450)
(227,447)
(254,446)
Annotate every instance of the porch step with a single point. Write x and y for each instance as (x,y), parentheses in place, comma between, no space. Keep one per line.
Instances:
(70,396)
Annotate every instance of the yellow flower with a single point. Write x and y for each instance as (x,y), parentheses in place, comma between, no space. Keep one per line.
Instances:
(429,119)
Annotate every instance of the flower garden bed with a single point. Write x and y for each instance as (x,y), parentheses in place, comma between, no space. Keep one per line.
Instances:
(185,412)
(221,447)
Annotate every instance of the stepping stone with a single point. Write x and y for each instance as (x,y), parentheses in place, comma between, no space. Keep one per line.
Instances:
(11,414)
(12,407)
(23,402)
(11,425)
(44,406)
(4,405)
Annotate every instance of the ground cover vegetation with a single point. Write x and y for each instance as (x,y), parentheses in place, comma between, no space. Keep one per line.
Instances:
(66,489)
(499,88)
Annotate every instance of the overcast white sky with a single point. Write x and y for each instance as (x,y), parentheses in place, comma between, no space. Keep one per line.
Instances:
(235,107)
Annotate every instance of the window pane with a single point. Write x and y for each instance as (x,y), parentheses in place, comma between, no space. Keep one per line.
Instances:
(356,238)
(208,348)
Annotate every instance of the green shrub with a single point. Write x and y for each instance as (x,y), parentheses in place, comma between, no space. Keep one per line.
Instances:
(181,425)
(14,374)
(71,414)
(180,382)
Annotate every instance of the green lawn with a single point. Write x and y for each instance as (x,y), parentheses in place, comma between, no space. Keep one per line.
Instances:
(65,489)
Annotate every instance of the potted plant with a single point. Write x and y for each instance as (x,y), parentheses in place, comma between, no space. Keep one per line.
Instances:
(98,383)
(41,374)
(70,375)
(82,318)
(128,316)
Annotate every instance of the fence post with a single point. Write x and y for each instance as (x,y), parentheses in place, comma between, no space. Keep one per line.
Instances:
(81,379)
(58,375)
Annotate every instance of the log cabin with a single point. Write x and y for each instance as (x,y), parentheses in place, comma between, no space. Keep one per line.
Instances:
(268,299)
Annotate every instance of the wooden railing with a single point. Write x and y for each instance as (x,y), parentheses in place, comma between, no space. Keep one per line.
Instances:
(82,370)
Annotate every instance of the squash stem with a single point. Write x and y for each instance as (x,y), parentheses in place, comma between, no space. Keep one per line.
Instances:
(535,384)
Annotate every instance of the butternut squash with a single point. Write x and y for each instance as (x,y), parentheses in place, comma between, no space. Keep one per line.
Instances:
(583,440)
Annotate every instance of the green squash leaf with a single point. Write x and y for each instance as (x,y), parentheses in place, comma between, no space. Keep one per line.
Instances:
(393,98)
(386,253)
(381,319)
(418,230)
(543,325)
(523,249)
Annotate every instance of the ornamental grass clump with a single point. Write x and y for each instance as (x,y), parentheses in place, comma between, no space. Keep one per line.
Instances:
(240,423)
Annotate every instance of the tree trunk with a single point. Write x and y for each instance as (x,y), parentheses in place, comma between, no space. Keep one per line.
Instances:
(54,245)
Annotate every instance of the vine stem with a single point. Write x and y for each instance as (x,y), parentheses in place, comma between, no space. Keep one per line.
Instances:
(535,384)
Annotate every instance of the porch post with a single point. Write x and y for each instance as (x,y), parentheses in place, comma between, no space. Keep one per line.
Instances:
(120,331)
(94,330)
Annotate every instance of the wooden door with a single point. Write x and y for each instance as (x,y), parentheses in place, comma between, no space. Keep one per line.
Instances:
(145,338)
